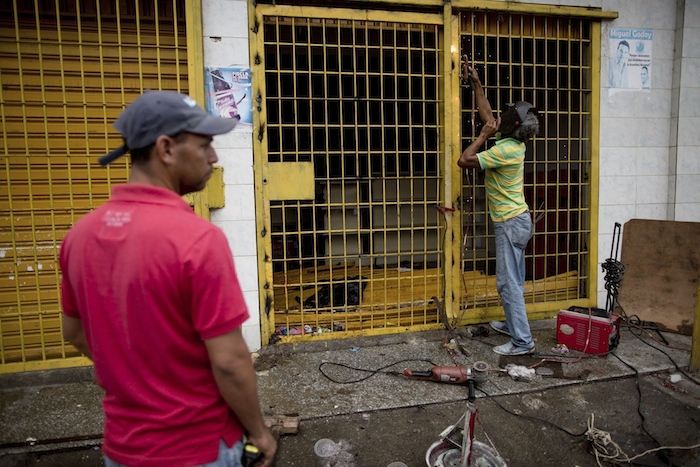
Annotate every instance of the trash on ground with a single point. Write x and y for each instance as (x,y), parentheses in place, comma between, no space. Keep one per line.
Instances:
(325,447)
(334,454)
(479,331)
(307,329)
(520,373)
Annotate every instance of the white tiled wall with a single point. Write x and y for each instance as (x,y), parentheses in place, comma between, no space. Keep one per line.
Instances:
(225,24)
(638,154)
(687,168)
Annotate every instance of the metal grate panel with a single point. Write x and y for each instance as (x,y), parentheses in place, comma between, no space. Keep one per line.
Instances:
(545,61)
(360,100)
(67,68)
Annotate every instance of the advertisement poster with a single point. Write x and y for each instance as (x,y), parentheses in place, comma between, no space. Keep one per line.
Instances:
(630,59)
(228,93)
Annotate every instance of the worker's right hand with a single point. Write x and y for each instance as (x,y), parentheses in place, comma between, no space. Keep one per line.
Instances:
(468,71)
(267,444)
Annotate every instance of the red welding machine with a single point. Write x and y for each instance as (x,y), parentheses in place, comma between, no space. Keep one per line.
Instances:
(587,331)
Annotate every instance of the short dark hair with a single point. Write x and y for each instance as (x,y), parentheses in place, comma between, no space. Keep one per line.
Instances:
(141,156)
(625,43)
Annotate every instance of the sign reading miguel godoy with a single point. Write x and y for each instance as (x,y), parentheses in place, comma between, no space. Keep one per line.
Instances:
(630,59)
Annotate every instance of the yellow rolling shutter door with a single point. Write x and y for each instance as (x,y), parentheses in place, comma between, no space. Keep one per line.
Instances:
(66,71)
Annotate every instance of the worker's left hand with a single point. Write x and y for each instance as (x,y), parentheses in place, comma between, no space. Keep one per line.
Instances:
(491,127)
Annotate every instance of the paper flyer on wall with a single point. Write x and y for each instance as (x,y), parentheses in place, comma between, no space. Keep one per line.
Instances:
(228,94)
(630,59)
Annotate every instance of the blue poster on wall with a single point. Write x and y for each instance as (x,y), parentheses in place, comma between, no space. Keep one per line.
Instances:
(228,93)
(630,52)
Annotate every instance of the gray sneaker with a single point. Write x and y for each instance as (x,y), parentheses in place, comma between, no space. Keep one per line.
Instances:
(500,326)
(511,349)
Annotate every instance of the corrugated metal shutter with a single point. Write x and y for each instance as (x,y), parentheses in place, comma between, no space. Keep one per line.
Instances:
(66,71)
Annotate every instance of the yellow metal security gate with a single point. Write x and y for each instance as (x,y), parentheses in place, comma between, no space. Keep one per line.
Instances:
(67,68)
(352,109)
(366,225)
(550,62)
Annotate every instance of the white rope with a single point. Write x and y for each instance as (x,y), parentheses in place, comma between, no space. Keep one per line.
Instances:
(606,449)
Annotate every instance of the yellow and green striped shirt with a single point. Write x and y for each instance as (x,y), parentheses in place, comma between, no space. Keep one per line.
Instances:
(504,166)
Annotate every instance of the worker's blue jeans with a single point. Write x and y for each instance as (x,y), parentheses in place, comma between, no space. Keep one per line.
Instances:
(512,236)
(228,457)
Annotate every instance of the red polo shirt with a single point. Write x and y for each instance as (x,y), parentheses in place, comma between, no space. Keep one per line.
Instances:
(150,281)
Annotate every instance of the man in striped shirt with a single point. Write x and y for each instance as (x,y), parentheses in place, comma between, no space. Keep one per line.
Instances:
(504,166)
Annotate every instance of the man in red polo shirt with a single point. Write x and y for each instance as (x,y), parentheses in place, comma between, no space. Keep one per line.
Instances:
(150,294)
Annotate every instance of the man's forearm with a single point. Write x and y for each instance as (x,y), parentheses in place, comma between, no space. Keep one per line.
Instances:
(485,111)
(469,159)
(239,390)
(235,377)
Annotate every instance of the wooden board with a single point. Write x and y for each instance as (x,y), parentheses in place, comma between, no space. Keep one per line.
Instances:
(662,272)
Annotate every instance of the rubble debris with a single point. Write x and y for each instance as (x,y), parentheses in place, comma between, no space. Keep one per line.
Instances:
(334,454)
(520,373)
(675,378)
(282,424)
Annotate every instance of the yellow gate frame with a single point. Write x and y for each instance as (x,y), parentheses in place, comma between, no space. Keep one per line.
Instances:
(450,142)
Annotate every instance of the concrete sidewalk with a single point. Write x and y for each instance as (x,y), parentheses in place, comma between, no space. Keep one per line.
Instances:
(60,410)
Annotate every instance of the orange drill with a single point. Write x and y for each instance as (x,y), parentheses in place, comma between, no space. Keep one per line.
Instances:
(441,374)
(457,374)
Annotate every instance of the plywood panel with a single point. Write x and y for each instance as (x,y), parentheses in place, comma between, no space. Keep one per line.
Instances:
(662,271)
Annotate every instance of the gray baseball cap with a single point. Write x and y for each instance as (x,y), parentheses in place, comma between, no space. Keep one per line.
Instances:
(157,113)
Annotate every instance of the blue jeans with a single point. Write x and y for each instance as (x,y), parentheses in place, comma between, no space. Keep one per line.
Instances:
(228,457)
(511,239)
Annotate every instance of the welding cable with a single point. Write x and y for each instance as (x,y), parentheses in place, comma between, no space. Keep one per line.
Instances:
(604,448)
(637,325)
(662,454)
(365,370)
(530,417)
(614,272)
(635,322)
(592,432)
(680,370)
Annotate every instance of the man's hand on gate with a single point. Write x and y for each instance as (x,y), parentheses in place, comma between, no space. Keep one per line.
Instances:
(491,127)
(468,71)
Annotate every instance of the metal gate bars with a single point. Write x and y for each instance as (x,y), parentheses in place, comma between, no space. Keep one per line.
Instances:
(366,224)
(66,71)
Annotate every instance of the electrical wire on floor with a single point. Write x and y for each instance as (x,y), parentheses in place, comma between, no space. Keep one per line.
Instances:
(365,370)
(604,448)
(639,399)
(529,417)
(660,449)
(634,323)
